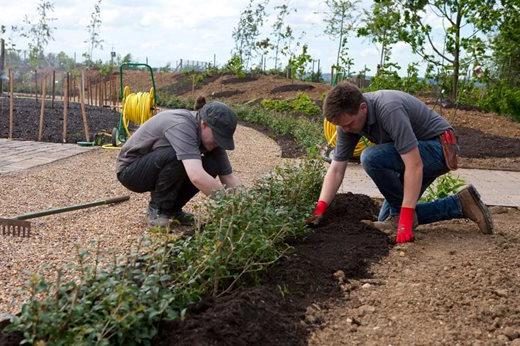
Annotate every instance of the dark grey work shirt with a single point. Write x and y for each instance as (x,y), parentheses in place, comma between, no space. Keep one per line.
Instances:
(393,116)
(179,129)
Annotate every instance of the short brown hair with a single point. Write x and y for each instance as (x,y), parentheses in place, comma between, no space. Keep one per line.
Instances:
(344,98)
(199,102)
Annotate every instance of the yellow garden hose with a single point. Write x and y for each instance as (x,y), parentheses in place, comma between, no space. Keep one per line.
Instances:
(137,108)
(330,135)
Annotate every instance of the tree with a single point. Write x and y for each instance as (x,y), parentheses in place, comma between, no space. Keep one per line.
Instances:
(65,62)
(93,30)
(340,20)
(464,24)
(40,33)
(248,29)
(283,35)
(381,24)
(506,45)
(297,64)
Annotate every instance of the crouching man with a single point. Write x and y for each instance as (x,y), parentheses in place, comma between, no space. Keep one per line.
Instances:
(414,145)
(177,153)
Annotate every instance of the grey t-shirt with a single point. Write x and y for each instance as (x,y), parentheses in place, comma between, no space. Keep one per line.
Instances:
(179,129)
(393,116)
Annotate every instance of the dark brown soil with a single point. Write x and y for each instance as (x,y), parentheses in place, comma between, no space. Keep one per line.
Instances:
(9,339)
(292,87)
(26,119)
(477,144)
(287,304)
(235,80)
(227,93)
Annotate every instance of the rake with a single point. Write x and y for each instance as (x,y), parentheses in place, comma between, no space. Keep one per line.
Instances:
(17,226)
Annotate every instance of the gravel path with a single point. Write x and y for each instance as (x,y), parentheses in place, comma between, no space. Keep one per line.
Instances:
(84,178)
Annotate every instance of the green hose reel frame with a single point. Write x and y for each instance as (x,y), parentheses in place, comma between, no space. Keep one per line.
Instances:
(118,133)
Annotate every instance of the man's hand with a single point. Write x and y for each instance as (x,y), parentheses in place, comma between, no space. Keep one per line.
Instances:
(405,226)
(317,214)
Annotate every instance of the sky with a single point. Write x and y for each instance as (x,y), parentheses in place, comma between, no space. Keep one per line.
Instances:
(165,31)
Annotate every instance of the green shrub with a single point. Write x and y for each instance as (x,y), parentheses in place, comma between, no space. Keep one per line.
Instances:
(307,133)
(173,102)
(304,104)
(301,104)
(242,233)
(276,105)
(445,185)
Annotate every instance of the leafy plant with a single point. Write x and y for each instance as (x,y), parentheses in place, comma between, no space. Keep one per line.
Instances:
(241,234)
(302,104)
(235,66)
(445,185)
(307,133)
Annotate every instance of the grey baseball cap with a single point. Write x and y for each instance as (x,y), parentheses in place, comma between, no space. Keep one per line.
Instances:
(222,120)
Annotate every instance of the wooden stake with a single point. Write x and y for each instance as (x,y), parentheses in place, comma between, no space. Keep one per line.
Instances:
(82,100)
(65,105)
(74,93)
(53,87)
(42,111)
(90,91)
(36,85)
(11,94)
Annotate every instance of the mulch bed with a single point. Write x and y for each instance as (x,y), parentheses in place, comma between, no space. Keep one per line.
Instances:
(26,119)
(227,93)
(285,307)
(477,144)
(292,87)
(234,80)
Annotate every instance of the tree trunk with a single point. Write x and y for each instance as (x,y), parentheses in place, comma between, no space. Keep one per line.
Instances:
(456,56)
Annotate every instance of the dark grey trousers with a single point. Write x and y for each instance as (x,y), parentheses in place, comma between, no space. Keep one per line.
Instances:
(161,173)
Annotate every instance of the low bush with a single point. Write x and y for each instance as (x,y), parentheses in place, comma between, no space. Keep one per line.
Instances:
(242,233)
(302,104)
(307,133)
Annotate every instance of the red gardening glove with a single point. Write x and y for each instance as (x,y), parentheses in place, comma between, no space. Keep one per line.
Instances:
(405,226)
(317,214)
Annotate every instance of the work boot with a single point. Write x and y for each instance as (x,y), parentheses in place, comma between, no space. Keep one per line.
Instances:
(156,218)
(183,218)
(474,209)
(389,226)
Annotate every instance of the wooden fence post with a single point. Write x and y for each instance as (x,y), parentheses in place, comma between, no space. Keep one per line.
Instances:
(36,85)
(65,105)
(53,87)
(82,100)
(11,95)
(42,110)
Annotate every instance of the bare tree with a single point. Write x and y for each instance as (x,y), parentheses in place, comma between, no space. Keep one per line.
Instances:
(93,30)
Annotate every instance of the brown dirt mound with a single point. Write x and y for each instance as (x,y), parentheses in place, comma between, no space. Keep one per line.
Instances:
(227,93)
(286,305)
(477,144)
(234,80)
(291,87)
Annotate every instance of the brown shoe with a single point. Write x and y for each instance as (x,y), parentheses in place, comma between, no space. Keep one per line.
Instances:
(474,209)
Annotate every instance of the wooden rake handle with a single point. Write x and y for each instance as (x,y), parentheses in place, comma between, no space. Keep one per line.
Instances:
(72,207)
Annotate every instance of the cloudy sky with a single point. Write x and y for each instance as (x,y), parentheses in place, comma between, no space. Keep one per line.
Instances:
(168,30)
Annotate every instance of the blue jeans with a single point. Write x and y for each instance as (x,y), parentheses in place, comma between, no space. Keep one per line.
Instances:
(386,168)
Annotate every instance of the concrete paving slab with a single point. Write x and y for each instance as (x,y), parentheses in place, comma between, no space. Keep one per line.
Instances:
(495,187)
(20,155)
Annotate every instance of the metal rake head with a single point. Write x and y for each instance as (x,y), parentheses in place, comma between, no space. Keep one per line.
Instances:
(16,228)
